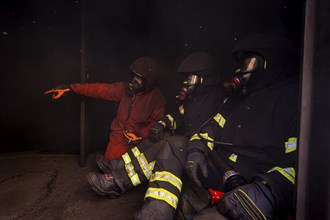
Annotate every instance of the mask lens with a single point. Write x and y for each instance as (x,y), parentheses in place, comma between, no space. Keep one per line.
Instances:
(192,80)
(249,63)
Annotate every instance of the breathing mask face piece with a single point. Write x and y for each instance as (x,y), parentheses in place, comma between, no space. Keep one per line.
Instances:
(136,85)
(248,64)
(189,85)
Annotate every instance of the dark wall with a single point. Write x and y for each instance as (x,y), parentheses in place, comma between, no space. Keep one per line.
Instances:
(41,49)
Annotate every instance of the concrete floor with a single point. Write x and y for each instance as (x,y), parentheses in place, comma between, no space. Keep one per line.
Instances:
(54,186)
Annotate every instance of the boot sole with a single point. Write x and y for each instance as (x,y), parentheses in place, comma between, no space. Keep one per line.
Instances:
(112,194)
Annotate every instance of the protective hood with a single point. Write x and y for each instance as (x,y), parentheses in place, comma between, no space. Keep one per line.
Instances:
(278,53)
(203,65)
(198,62)
(148,68)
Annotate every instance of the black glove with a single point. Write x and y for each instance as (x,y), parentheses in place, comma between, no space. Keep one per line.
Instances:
(196,161)
(59,91)
(133,138)
(251,201)
(157,132)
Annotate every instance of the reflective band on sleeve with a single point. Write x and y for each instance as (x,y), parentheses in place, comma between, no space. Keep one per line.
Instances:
(173,123)
(167,177)
(132,174)
(136,151)
(152,165)
(250,207)
(126,158)
(220,120)
(233,157)
(181,110)
(291,145)
(162,194)
(288,173)
(147,170)
(195,137)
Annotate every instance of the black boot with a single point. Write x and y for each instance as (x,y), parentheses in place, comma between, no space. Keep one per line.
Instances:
(155,210)
(103,164)
(104,184)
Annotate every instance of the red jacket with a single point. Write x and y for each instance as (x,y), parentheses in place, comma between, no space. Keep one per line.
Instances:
(138,113)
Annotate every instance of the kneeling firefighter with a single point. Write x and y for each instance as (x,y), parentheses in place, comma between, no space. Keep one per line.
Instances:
(253,136)
(141,104)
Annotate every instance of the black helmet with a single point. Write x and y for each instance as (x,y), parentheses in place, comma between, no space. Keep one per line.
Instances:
(147,68)
(199,70)
(263,59)
(200,63)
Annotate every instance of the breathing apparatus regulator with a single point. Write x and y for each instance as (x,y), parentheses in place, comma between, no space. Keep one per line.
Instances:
(248,63)
(189,85)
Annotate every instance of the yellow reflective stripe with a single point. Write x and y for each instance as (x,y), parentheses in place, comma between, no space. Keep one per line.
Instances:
(132,174)
(144,165)
(163,123)
(233,157)
(173,123)
(247,209)
(126,158)
(288,173)
(167,177)
(162,194)
(205,136)
(152,165)
(195,137)
(181,110)
(291,145)
(220,120)
(136,151)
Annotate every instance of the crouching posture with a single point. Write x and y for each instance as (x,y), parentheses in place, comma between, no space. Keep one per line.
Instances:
(197,101)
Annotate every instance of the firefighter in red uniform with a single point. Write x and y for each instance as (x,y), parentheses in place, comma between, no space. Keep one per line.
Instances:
(141,105)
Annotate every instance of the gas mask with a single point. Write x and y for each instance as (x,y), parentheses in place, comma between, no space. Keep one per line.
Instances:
(137,84)
(189,86)
(247,65)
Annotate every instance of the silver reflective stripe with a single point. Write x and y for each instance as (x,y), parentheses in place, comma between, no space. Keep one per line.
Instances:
(162,194)
(291,145)
(136,151)
(167,177)
(146,168)
(220,120)
(288,173)
(181,110)
(132,174)
(126,158)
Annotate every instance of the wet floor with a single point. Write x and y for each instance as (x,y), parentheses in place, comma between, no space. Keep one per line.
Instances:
(54,186)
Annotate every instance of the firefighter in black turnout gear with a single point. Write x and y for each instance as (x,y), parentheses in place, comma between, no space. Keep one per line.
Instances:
(197,101)
(254,134)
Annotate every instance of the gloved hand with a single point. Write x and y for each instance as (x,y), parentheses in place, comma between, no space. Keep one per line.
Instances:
(59,91)
(251,201)
(133,138)
(157,133)
(196,162)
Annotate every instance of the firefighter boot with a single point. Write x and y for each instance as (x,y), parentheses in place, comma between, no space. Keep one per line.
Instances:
(155,210)
(104,184)
(103,164)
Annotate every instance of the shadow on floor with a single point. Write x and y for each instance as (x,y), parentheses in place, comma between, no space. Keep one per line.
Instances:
(54,186)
